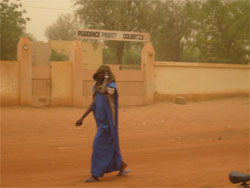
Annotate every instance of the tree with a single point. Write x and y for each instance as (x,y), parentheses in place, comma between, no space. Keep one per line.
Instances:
(192,30)
(129,15)
(222,31)
(30,36)
(64,28)
(171,25)
(13,25)
(55,56)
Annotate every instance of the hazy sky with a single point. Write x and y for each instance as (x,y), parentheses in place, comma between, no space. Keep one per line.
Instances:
(44,13)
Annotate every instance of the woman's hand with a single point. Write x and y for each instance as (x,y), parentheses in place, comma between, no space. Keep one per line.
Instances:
(79,122)
(106,74)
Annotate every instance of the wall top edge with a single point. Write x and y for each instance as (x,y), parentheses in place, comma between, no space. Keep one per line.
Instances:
(208,65)
(7,61)
(60,62)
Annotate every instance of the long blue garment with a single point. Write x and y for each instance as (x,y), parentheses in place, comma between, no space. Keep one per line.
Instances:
(106,156)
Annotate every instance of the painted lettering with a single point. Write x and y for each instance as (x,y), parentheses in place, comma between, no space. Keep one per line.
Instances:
(88,34)
(133,36)
(108,35)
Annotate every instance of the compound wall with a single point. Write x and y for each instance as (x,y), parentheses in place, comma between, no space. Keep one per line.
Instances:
(199,81)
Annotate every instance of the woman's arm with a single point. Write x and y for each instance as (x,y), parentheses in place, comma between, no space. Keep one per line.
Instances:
(103,87)
(89,109)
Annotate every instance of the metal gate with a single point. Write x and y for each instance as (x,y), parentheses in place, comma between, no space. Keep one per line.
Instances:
(41,86)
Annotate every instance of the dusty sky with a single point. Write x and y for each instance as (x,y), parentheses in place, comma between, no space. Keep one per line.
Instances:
(44,13)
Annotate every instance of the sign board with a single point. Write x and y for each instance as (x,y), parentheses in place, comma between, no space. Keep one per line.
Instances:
(112,35)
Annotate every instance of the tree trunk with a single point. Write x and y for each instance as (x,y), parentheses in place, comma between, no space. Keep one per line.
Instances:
(119,52)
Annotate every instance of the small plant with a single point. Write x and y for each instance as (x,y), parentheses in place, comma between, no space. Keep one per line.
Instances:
(55,56)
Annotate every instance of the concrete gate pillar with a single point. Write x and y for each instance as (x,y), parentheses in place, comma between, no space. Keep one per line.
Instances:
(147,61)
(76,57)
(24,57)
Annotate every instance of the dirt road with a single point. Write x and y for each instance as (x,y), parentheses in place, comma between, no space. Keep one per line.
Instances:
(165,145)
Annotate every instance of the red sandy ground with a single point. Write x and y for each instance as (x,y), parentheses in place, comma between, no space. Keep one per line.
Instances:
(165,145)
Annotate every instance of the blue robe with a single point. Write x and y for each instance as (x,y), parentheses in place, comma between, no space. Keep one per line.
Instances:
(106,156)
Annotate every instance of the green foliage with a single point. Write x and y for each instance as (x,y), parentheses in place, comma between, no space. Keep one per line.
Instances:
(108,56)
(55,56)
(190,54)
(30,36)
(191,30)
(222,31)
(170,25)
(12,28)
(64,28)
(132,57)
